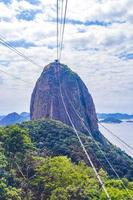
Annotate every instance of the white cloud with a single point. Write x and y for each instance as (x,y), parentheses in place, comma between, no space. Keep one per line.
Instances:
(106,10)
(90,50)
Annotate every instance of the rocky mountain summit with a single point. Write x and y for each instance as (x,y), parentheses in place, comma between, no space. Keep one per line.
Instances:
(46,101)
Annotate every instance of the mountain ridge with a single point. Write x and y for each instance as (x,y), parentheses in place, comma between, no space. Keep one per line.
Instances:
(99,115)
(119,116)
(14,118)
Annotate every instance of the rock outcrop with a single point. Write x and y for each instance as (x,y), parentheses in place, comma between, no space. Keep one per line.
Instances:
(46,101)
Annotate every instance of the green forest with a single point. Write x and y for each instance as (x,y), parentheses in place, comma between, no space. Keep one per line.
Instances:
(42,160)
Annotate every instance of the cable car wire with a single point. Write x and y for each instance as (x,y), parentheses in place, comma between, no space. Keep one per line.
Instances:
(63,30)
(97,144)
(6,44)
(109,131)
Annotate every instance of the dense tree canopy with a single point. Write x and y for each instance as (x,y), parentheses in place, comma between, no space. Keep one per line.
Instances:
(54,138)
(28,172)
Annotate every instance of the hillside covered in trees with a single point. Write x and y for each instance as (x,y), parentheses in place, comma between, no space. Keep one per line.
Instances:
(42,160)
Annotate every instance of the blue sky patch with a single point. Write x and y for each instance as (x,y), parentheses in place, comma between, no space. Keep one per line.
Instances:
(97,23)
(6,1)
(27,15)
(5,63)
(34,2)
(51,46)
(21,43)
(5,19)
(89,23)
(126,56)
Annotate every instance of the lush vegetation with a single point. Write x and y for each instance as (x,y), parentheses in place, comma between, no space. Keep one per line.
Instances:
(55,138)
(32,166)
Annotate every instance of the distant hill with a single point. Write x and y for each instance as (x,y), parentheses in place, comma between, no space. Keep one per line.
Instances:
(25,115)
(111,120)
(14,118)
(130,121)
(1,117)
(119,116)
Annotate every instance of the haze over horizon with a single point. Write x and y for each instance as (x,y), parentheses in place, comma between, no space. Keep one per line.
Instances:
(97,45)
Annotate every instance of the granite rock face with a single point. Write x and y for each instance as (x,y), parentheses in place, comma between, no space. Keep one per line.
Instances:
(46,100)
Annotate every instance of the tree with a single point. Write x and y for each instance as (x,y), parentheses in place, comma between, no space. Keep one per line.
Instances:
(59,178)
(17,140)
(9,193)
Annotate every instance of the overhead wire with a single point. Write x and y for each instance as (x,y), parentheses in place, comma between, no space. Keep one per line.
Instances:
(9,46)
(60,37)
(112,133)
(63,29)
(15,77)
(61,21)
(82,145)
(6,44)
(57,11)
(98,146)
(66,110)
(61,45)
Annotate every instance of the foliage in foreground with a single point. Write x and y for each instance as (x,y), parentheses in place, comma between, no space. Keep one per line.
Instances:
(27,175)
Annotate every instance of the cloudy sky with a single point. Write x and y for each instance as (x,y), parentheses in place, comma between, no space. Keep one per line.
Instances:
(98,45)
